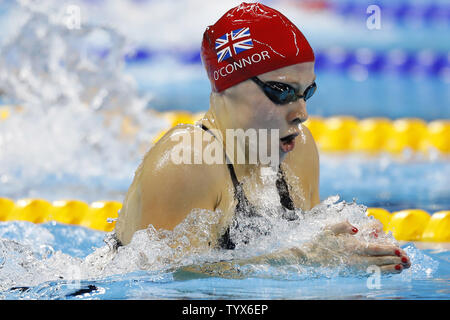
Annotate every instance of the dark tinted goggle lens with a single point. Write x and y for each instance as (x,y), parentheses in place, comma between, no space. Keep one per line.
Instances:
(282,93)
(309,92)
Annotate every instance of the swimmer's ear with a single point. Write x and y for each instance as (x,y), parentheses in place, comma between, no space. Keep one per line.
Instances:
(342,228)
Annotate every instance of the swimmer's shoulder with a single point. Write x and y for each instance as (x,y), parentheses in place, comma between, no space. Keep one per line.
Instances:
(185,143)
(171,161)
(304,159)
(164,192)
(309,138)
(182,133)
(303,162)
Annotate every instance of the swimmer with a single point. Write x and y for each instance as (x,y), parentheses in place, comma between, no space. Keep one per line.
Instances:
(261,69)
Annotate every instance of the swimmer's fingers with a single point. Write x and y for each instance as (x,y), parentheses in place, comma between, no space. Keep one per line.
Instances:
(385,260)
(373,249)
(391,268)
(342,228)
(385,250)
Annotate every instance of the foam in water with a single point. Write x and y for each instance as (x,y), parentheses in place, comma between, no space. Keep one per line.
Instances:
(74,102)
(188,246)
(186,250)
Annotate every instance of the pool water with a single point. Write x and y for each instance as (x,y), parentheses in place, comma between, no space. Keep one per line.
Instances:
(79,242)
(66,94)
(56,261)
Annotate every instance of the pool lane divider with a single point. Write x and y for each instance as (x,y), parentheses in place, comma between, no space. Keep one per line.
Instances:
(402,12)
(98,215)
(369,135)
(405,225)
(338,133)
(431,63)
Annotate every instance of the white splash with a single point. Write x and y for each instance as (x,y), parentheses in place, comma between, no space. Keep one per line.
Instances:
(190,245)
(80,116)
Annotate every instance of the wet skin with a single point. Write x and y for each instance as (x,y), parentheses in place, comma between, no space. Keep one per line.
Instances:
(163,193)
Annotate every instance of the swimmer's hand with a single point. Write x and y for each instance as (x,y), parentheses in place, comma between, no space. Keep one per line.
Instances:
(337,245)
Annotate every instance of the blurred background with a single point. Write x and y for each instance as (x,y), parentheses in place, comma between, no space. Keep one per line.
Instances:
(83,83)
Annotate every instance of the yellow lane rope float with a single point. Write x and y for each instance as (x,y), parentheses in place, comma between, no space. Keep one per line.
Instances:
(405,225)
(343,133)
(95,216)
(372,135)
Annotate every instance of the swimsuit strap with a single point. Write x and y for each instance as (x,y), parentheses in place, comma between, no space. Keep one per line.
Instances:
(245,207)
(230,167)
(283,191)
(282,187)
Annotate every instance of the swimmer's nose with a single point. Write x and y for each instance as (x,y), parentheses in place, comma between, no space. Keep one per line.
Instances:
(299,114)
(296,118)
(298,121)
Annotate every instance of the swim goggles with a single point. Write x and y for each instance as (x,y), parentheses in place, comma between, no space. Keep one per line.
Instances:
(282,93)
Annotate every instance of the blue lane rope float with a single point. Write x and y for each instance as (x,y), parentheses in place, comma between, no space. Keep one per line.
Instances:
(400,12)
(396,61)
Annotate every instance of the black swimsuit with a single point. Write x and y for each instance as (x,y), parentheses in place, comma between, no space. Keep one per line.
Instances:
(245,209)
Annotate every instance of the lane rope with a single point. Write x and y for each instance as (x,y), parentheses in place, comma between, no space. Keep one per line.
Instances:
(407,225)
(369,135)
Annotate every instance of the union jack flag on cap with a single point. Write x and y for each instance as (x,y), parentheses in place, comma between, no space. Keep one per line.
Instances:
(231,55)
(233,43)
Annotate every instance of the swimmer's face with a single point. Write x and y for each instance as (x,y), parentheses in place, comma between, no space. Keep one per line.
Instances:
(248,107)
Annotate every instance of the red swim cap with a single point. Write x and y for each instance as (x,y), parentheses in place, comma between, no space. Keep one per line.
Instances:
(249,40)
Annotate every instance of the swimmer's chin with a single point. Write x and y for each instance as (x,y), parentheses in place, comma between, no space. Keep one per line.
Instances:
(283,155)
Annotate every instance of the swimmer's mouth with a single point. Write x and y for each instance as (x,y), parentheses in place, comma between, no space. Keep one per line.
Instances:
(288,142)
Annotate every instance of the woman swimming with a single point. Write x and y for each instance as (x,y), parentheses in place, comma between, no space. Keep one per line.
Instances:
(261,69)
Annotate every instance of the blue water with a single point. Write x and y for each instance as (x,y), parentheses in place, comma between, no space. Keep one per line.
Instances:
(170,73)
(170,70)
(339,93)
(376,181)
(78,242)
(141,285)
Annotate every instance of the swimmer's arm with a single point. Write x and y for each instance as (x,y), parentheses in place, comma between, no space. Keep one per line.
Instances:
(304,255)
(283,257)
(290,256)
(315,194)
(320,251)
(236,268)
